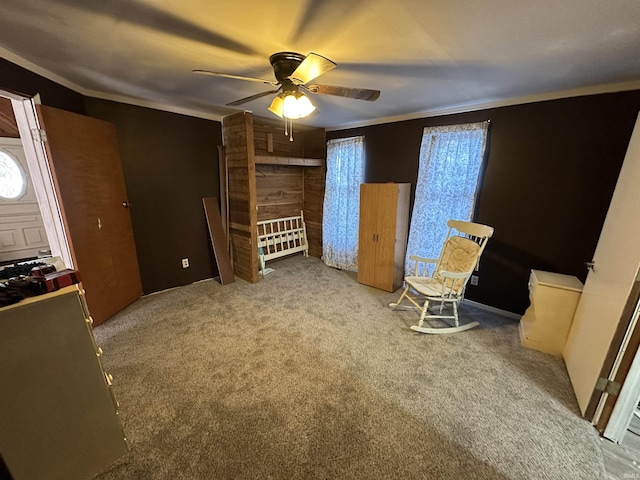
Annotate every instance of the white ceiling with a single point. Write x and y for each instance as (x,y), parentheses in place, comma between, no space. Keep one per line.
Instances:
(426,56)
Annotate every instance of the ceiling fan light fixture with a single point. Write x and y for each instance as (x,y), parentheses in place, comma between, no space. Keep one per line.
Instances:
(291,105)
(302,106)
(277,106)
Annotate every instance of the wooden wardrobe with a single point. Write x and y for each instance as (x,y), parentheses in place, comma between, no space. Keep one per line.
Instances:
(383,232)
(269,177)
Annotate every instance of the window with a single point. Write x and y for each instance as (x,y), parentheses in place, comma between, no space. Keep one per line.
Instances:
(450,161)
(12,181)
(345,173)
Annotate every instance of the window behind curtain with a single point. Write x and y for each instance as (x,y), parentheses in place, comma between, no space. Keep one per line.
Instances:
(450,161)
(345,173)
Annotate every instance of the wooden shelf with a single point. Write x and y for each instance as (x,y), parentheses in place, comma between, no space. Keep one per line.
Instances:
(304,162)
(276,202)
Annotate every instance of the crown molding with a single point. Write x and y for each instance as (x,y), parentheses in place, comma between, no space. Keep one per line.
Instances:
(154,105)
(32,67)
(461,108)
(496,103)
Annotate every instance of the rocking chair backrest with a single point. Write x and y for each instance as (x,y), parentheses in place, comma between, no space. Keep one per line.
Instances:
(462,250)
(459,255)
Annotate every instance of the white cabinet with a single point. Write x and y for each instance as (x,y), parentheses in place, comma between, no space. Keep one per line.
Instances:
(59,417)
(546,323)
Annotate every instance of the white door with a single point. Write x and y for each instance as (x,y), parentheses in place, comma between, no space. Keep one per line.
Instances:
(616,261)
(22,233)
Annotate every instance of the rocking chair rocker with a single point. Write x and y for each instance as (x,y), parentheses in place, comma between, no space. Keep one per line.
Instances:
(459,257)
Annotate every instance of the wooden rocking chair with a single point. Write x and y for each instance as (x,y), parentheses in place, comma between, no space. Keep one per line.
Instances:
(458,259)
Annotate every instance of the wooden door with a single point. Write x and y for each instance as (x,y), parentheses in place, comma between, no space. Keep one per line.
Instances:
(87,172)
(608,285)
(366,234)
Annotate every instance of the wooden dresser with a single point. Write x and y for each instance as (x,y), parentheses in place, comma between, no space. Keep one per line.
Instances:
(382,237)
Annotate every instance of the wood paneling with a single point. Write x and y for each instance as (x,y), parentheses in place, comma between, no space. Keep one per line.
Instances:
(237,137)
(287,177)
(314,182)
(279,191)
(269,133)
(8,125)
(315,144)
(307,150)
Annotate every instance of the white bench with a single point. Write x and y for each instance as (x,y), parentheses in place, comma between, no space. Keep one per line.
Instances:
(282,236)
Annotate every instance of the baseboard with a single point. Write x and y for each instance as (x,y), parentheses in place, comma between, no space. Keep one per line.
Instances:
(498,311)
(179,286)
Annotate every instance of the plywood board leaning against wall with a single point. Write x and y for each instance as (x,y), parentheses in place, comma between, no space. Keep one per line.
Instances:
(218,240)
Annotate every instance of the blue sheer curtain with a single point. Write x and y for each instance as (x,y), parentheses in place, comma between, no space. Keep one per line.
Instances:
(450,161)
(345,173)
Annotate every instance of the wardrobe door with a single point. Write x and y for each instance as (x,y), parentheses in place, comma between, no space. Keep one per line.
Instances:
(387,200)
(366,234)
(383,234)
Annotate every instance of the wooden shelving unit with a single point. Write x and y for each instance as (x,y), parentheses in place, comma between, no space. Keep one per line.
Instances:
(270,177)
(303,162)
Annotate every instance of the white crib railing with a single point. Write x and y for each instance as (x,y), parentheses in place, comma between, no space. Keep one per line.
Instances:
(282,236)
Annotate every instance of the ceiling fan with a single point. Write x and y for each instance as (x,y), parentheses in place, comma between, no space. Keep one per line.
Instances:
(293,72)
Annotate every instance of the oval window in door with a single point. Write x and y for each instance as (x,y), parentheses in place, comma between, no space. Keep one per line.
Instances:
(12,181)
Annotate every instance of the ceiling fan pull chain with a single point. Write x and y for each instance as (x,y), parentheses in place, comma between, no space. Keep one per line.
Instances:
(286,126)
(291,130)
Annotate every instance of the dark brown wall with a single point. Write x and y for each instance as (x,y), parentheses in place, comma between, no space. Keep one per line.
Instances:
(19,80)
(549,177)
(170,163)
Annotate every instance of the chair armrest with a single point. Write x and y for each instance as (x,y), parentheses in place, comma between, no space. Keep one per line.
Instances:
(422,259)
(450,282)
(419,261)
(445,274)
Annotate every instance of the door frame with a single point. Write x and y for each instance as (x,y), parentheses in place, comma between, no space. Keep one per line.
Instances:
(612,413)
(27,120)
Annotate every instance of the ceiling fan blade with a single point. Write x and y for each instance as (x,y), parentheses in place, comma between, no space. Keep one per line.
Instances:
(357,93)
(311,67)
(235,77)
(252,97)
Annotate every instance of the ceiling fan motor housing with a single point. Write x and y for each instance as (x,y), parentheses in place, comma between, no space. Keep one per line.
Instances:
(284,64)
(294,71)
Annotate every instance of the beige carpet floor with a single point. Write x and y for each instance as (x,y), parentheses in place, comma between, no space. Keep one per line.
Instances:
(309,375)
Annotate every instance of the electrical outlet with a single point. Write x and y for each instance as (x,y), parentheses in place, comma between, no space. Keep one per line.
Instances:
(474,280)
(185,263)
